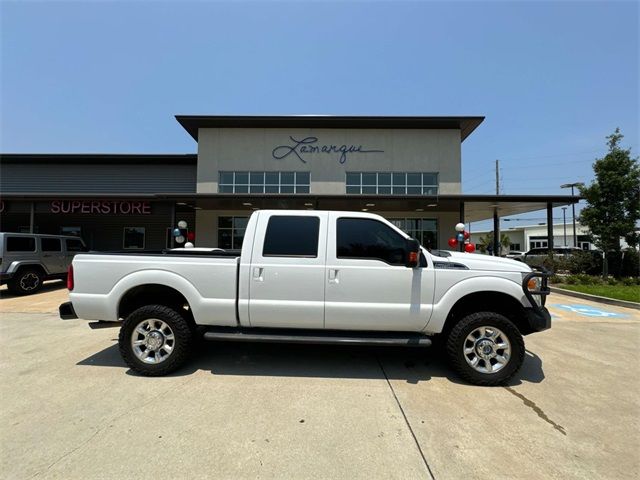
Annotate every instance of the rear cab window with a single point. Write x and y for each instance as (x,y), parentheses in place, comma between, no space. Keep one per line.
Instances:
(291,236)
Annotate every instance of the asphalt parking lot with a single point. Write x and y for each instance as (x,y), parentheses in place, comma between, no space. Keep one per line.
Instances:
(71,409)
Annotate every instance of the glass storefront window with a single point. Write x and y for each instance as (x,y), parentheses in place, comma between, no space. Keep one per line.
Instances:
(395,183)
(425,230)
(264,182)
(133,238)
(231,232)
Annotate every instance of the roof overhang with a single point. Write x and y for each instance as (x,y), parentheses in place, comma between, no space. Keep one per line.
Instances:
(476,207)
(192,123)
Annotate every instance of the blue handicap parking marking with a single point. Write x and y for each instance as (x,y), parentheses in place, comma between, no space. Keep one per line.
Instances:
(588,311)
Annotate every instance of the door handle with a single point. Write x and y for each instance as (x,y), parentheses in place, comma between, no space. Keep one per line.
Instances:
(333,275)
(257,274)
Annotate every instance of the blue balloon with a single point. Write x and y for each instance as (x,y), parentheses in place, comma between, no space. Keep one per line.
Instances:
(176,232)
(460,237)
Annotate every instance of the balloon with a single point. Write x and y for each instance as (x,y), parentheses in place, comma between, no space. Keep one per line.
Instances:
(469,247)
(460,237)
(182,224)
(460,227)
(452,242)
(177,232)
(179,239)
(191,236)
(466,234)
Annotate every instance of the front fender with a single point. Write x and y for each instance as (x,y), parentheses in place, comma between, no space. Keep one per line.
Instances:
(466,287)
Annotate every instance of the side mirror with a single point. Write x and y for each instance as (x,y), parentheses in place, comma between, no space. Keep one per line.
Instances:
(413,253)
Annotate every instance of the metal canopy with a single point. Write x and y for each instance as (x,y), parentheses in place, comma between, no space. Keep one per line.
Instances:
(475,207)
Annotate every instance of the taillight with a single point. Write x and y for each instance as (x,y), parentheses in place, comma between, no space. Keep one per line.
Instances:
(70,278)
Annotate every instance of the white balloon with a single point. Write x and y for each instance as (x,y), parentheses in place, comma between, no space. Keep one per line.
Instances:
(460,227)
(180,239)
(188,245)
(182,224)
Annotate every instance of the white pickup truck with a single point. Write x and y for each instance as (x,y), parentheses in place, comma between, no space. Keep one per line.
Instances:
(317,277)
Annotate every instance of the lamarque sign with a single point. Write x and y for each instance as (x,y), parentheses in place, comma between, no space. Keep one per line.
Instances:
(299,148)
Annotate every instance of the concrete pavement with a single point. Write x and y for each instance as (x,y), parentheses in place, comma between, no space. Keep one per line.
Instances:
(71,409)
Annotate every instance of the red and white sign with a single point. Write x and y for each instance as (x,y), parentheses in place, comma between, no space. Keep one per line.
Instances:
(101,207)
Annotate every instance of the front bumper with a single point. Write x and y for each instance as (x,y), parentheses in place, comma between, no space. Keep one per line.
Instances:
(538,319)
(67,312)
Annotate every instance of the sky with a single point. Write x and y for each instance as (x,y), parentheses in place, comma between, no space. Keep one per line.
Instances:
(553,79)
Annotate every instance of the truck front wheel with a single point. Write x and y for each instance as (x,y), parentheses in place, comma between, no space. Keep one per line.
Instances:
(155,340)
(485,348)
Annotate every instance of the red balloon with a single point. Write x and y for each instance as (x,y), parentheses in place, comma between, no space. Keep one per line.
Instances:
(469,247)
(466,234)
(452,242)
(191,236)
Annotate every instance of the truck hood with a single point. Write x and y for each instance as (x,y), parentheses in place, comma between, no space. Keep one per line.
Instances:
(476,261)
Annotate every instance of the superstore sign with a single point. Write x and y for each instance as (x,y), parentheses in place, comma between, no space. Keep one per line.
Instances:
(101,207)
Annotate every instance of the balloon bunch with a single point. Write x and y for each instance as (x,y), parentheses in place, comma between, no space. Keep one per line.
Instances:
(182,235)
(463,237)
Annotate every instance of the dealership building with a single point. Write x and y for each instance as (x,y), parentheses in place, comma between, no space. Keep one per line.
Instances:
(407,169)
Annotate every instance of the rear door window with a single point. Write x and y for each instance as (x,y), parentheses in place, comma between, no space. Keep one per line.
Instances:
(51,244)
(21,244)
(291,236)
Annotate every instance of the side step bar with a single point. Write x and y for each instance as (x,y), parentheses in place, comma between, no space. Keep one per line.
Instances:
(327,337)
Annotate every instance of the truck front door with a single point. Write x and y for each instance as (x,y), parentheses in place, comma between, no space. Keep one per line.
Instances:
(368,286)
(286,283)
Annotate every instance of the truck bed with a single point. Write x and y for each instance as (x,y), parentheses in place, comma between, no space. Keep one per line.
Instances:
(208,282)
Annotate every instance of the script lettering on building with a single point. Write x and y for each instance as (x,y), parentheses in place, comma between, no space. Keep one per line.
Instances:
(101,207)
(307,145)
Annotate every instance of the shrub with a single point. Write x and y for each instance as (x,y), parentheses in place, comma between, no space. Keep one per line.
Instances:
(585,262)
(612,281)
(630,281)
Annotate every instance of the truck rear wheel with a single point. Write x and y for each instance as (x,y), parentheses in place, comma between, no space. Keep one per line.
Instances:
(26,281)
(485,348)
(155,340)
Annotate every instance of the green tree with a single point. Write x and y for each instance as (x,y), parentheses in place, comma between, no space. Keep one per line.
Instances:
(613,207)
(484,242)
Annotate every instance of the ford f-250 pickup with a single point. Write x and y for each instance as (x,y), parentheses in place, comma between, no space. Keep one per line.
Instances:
(316,277)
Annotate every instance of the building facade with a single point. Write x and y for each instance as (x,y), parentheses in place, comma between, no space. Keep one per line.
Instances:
(408,169)
(526,237)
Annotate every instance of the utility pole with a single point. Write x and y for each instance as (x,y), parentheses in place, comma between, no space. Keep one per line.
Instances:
(564,224)
(573,209)
(496,220)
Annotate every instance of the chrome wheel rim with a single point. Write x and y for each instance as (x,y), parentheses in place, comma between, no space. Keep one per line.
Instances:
(487,349)
(29,282)
(152,341)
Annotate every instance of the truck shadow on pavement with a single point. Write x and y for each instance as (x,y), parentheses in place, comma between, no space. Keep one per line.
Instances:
(320,361)
(48,286)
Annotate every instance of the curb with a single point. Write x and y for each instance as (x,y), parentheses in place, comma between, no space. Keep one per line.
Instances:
(596,298)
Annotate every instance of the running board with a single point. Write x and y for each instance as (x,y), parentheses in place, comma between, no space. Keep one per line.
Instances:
(327,337)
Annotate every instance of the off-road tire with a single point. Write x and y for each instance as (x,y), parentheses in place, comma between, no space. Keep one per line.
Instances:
(184,339)
(458,335)
(26,276)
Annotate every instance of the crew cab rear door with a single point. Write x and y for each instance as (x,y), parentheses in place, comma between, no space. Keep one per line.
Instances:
(287,274)
(368,285)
